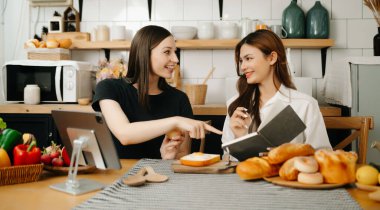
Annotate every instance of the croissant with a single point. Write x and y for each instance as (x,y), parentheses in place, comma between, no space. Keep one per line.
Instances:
(337,167)
(288,171)
(256,168)
(286,151)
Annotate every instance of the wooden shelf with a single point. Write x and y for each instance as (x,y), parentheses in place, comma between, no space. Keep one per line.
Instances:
(207,109)
(204,44)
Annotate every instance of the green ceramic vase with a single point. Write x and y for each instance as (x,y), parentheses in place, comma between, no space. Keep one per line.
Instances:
(317,22)
(293,21)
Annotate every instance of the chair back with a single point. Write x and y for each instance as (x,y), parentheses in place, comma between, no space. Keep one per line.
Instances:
(359,126)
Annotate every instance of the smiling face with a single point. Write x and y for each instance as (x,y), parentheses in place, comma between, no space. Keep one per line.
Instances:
(163,58)
(255,65)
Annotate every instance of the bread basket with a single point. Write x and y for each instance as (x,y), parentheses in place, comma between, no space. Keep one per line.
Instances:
(20,174)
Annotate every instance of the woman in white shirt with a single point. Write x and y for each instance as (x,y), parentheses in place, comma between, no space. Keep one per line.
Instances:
(264,81)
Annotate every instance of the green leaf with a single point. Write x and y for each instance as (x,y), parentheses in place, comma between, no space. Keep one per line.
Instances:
(3,125)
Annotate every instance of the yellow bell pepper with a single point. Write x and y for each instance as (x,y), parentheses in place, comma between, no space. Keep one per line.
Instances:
(4,158)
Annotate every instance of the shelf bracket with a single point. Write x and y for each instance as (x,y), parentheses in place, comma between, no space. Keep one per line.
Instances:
(323,58)
(150,9)
(107,53)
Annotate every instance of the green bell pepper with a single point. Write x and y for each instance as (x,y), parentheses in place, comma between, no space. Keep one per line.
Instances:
(10,139)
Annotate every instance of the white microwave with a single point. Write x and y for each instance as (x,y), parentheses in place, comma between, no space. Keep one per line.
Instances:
(59,81)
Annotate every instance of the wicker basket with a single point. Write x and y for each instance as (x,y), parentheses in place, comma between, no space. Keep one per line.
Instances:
(20,174)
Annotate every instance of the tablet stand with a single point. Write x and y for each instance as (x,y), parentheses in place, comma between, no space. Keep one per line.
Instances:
(81,186)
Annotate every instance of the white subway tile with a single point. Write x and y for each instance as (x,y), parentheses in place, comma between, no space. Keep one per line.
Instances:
(119,54)
(168,10)
(231,10)
(339,54)
(367,52)
(367,13)
(311,63)
(91,56)
(346,9)
(338,32)
(355,36)
(197,10)
(278,7)
(196,63)
(295,61)
(49,12)
(304,84)
(230,87)
(90,10)
(256,9)
(215,91)
(115,11)
(224,63)
(137,10)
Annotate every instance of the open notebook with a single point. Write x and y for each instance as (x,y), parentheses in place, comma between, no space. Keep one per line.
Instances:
(283,126)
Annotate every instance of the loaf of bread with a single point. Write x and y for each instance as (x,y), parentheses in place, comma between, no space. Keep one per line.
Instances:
(288,171)
(286,151)
(256,168)
(337,167)
(199,159)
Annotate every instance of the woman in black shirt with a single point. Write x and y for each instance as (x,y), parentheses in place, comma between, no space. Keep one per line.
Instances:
(141,109)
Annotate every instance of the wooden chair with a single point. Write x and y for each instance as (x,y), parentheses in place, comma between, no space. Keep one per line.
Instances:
(360,126)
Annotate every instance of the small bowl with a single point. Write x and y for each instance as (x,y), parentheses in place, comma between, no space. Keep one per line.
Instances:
(84,101)
(184,32)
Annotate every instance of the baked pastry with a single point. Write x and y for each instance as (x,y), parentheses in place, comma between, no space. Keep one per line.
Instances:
(337,167)
(310,178)
(256,168)
(286,151)
(199,159)
(288,171)
(306,164)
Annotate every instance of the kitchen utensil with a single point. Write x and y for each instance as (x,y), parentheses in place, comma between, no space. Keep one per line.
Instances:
(206,30)
(279,30)
(102,33)
(196,93)
(208,75)
(227,30)
(118,33)
(184,32)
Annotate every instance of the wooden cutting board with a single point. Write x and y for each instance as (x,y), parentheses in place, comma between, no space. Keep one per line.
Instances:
(216,168)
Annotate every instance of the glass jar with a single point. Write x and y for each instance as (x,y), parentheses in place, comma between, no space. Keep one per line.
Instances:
(32,94)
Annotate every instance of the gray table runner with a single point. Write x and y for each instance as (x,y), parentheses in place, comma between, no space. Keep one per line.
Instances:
(212,191)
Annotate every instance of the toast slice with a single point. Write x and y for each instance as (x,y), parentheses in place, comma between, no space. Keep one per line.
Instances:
(199,159)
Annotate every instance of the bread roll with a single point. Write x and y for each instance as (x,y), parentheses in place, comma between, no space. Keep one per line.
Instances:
(256,168)
(288,171)
(286,151)
(65,43)
(337,167)
(173,133)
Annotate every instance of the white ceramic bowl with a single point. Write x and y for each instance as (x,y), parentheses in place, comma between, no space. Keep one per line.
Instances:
(184,32)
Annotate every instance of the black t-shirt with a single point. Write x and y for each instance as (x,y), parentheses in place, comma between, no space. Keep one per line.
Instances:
(170,102)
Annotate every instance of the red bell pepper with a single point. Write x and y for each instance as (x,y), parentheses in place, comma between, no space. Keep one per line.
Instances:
(24,154)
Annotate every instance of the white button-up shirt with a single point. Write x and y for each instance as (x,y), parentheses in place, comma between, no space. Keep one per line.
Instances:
(306,108)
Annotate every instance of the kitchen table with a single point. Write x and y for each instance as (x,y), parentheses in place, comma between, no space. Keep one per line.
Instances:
(38,195)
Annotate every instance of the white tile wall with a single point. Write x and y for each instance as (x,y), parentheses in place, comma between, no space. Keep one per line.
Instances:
(352,26)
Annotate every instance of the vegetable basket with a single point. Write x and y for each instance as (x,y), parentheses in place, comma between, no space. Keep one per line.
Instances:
(20,174)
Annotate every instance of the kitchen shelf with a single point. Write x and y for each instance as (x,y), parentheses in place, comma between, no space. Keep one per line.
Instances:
(204,44)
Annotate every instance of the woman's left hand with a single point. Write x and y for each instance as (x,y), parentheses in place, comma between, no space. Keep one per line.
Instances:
(170,147)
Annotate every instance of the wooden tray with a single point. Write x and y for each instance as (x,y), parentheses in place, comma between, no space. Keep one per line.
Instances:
(216,168)
(65,170)
(294,184)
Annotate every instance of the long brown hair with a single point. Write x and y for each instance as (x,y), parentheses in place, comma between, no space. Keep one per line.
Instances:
(139,64)
(249,94)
